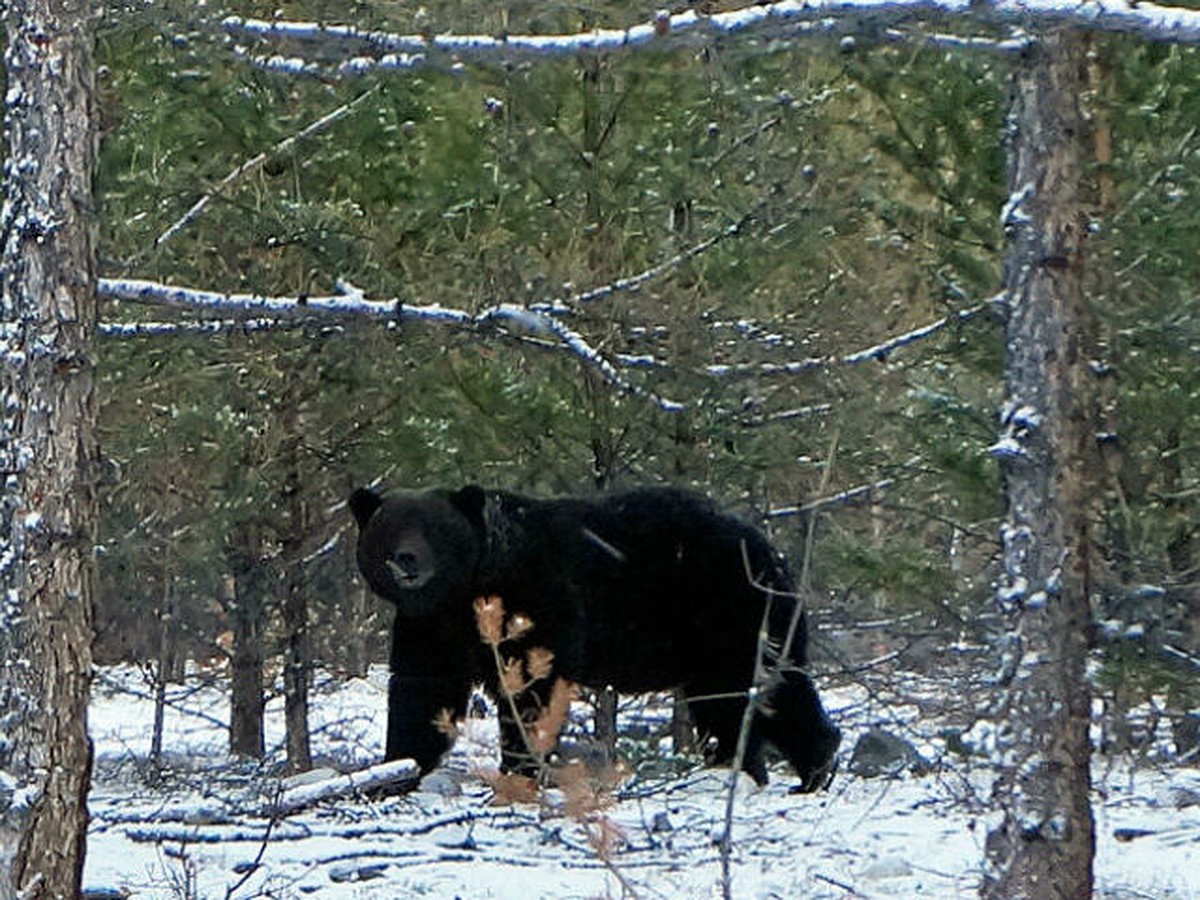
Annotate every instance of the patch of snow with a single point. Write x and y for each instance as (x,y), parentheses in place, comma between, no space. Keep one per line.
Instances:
(204,823)
(1008,447)
(1012,212)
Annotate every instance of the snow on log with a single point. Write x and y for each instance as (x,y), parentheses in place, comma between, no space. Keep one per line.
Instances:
(397,773)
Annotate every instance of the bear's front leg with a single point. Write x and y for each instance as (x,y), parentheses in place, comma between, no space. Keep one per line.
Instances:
(416,704)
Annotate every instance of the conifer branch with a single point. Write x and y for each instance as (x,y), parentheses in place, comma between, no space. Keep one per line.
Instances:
(256,162)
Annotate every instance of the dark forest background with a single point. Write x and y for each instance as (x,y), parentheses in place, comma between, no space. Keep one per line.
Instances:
(866,179)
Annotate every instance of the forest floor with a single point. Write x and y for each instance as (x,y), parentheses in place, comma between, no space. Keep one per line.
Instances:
(199,824)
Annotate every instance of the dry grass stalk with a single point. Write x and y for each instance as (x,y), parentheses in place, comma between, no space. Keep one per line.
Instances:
(540,662)
(546,728)
(489,617)
(510,788)
(518,626)
(586,794)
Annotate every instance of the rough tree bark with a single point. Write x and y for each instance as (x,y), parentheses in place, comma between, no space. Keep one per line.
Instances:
(1043,845)
(47,446)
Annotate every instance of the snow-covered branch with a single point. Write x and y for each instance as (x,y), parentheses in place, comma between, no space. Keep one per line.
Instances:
(190,326)
(336,785)
(371,50)
(349,303)
(518,322)
(1176,653)
(406,51)
(1018,41)
(882,350)
(538,325)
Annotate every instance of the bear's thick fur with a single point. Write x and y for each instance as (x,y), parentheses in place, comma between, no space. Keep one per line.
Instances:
(643,590)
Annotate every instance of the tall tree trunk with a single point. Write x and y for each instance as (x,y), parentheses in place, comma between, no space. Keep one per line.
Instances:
(162,672)
(297,663)
(47,446)
(297,669)
(246,665)
(1044,844)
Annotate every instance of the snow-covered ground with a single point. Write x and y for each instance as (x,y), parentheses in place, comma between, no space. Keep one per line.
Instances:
(201,830)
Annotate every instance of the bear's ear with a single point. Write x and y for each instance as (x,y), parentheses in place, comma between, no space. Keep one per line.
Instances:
(470,501)
(363,503)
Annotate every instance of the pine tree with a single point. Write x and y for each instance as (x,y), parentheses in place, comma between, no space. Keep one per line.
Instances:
(48,450)
(1044,844)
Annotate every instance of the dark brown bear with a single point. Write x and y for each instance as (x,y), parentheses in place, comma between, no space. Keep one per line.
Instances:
(645,590)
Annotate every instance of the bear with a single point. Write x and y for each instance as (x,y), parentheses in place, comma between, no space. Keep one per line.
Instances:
(648,589)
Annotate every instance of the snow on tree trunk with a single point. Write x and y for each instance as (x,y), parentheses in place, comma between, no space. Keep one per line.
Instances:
(47,446)
(1043,845)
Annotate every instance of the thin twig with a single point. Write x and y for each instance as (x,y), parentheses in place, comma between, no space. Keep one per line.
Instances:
(764,674)
(806,560)
(256,162)
(1179,152)
(252,868)
(875,353)
(759,680)
(837,884)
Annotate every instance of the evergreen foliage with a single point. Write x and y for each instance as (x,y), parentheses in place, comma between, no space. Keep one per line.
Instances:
(869,183)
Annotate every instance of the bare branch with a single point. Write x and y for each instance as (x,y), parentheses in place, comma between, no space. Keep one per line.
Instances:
(635,282)
(880,351)
(844,498)
(877,352)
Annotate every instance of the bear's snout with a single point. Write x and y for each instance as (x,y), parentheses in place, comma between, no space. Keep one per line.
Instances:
(408,570)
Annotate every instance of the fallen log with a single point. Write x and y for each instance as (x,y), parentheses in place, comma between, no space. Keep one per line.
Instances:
(400,773)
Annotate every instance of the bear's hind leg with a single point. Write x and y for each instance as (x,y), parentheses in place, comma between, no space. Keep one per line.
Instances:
(719,720)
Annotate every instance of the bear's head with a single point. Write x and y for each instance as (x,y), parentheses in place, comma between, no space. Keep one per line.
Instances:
(419,549)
